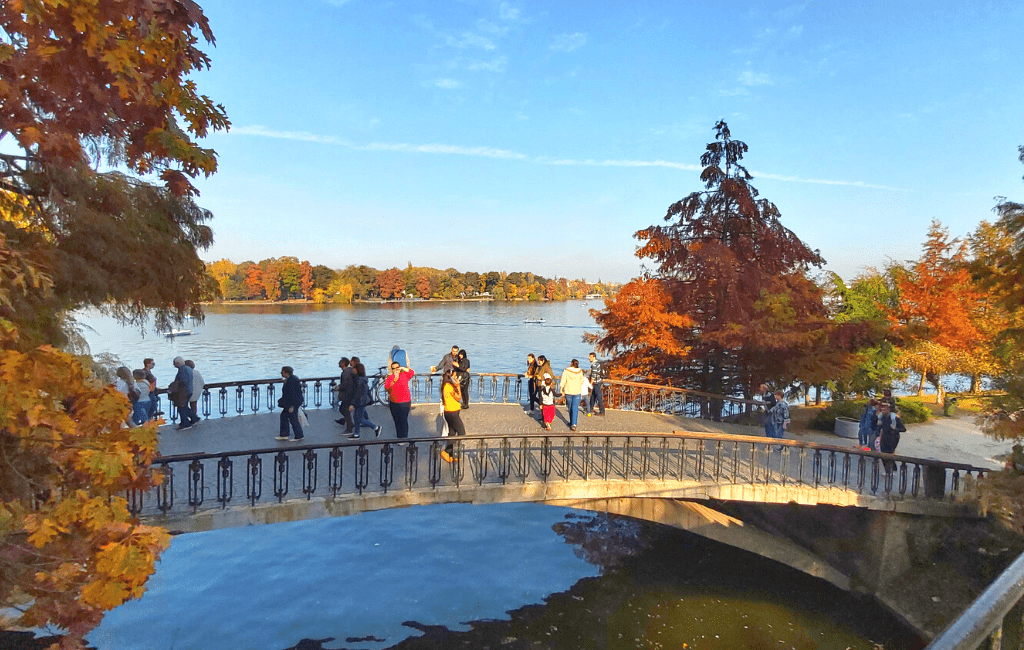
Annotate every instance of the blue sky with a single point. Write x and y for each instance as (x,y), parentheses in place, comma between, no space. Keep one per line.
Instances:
(488,135)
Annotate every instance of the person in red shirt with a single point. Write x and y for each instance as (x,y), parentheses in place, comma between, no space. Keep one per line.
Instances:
(399,397)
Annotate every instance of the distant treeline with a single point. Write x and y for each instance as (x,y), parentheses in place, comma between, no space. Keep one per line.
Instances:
(287,278)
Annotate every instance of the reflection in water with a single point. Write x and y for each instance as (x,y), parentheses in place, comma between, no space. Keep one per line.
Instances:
(665,588)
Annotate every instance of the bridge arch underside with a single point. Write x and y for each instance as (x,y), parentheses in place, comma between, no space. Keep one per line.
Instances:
(680,504)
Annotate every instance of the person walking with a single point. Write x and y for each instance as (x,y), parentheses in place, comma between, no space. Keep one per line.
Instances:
(546,395)
(451,399)
(532,381)
(290,403)
(768,398)
(779,416)
(598,373)
(887,426)
(198,386)
(865,433)
(124,383)
(183,395)
(142,407)
(147,365)
(463,377)
(359,403)
(399,397)
(544,367)
(571,387)
(346,391)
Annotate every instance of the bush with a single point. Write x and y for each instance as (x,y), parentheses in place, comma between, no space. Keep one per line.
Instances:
(912,411)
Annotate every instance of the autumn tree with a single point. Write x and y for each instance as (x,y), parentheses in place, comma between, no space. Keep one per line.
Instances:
(254,282)
(306,279)
(271,279)
(731,282)
(937,302)
(94,95)
(423,287)
(390,284)
(90,85)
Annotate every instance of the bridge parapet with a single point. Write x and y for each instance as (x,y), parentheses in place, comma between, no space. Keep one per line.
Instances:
(201,491)
(260,395)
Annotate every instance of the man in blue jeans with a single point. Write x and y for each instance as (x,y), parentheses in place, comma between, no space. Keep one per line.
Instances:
(596,377)
(184,395)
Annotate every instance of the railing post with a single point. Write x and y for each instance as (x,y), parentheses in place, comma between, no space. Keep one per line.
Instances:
(934,482)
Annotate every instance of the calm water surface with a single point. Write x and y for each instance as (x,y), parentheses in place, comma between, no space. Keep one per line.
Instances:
(499,576)
(251,342)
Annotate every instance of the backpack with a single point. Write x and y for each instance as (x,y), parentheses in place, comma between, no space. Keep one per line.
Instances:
(133,394)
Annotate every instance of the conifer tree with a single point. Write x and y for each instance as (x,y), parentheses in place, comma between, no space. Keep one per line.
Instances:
(730,289)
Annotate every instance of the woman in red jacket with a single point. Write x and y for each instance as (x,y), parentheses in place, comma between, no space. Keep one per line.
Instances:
(399,397)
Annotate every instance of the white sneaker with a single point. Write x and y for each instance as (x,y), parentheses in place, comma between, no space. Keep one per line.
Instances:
(281,438)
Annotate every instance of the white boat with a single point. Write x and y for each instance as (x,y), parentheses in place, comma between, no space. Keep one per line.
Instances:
(174,333)
(533,320)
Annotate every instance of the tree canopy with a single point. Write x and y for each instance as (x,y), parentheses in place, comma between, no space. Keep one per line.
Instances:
(97,96)
(731,285)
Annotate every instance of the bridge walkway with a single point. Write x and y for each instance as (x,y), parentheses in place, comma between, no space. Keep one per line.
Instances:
(245,432)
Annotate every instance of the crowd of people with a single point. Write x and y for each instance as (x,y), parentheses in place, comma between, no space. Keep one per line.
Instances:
(582,390)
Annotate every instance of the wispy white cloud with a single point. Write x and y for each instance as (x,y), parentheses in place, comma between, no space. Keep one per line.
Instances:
(494,65)
(748,78)
(470,39)
(506,154)
(568,42)
(446,84)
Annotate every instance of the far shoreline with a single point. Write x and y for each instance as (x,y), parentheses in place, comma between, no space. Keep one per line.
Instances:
(305,301)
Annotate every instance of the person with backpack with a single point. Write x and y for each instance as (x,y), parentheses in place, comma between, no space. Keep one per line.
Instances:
(769,402)
(360,401)
(142,407)
(887,426)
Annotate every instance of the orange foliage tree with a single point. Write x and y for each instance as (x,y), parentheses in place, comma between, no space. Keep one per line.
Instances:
(306,279)
(423,287)
(84,86)
(390,284)
(104,84)
(730,290)
(936,312)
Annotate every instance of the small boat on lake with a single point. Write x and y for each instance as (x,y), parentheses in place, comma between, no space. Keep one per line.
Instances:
(175,333)
(532,321)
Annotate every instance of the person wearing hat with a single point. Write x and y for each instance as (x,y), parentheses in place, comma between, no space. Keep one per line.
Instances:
(547,399)
(183,395)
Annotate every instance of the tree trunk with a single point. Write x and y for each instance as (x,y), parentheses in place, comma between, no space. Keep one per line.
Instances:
(920,386)
(975,383)
(807,395)
(817,395)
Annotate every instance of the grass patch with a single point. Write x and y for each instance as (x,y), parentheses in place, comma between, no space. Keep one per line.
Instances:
(912,411)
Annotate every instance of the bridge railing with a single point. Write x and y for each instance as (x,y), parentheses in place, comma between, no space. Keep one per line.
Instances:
(260,395)
(994,619)
(195,482)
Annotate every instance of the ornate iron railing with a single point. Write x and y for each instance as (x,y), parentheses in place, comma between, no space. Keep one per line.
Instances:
(994,619)
(260,395)
(202,481)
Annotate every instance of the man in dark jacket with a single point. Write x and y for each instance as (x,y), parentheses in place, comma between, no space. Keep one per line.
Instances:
(290,403)
(596,376)
(183,395)
(888,426)
(346,393)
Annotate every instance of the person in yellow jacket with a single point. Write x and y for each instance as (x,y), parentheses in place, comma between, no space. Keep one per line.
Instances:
(571,387)
(451,398)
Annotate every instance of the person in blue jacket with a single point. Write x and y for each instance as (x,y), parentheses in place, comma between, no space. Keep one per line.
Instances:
(290,403)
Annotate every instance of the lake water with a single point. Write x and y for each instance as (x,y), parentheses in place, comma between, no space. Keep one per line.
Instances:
(504,576)
(253,342)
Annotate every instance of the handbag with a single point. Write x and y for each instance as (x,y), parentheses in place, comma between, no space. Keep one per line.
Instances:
(303,418)
(444,422)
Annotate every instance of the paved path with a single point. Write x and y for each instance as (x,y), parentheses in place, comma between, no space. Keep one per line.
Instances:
(948,439)
(238,433)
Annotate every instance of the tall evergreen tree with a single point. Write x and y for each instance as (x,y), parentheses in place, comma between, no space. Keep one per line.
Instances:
(738,278)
